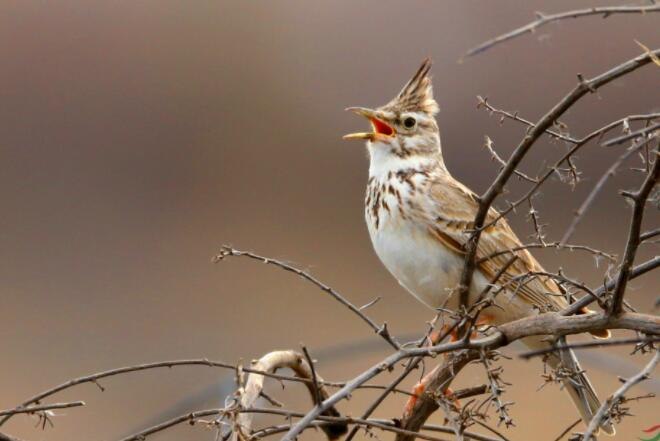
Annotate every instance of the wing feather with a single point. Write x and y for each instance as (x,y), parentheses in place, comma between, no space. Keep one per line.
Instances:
(451,216)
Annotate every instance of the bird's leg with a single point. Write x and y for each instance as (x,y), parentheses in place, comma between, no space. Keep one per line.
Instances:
(482,320)
(434,337)
(420,387)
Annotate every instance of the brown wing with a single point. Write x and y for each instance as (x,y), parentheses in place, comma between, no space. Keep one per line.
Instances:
(453,211)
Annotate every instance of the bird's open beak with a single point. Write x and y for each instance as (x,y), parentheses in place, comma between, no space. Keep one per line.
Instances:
(381,130)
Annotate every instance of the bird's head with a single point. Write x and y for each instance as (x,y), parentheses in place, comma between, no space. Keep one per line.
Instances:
(406,125)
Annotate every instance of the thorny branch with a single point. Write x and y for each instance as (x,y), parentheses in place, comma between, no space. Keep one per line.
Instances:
(35,409)
(475,344)
(543,19)
(605,410)
(227,251)
(639,202)
(486,200)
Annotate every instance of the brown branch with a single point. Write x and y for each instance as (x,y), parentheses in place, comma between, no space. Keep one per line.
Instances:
(623,138)
(637,271)
(565,158)
(193,417)
(427,402)
(5,437)
(591,344)
(649,235)
(227,251)
(603,412)
(254,383)
(488,144)
(568,429)
(93,378)
(580,212)
(34,409)
(316,389)
(543,324)
(483,102)
(545,19)
(486,200)
(546,245)
(639,203)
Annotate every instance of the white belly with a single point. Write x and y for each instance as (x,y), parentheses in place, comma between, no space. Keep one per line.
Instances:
(423,266)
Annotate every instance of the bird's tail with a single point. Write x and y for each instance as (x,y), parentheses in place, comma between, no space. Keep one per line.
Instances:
(579,387)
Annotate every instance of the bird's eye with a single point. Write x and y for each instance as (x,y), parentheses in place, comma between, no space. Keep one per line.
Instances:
(409,122)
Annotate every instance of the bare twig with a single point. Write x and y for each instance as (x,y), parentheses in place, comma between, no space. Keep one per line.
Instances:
(545,19)
(592,344)
(483,102)
(639,202)
(542,324)
(551,245)
(568,429)
(649,234)
(5,437)
(271,362)
(385,425)
(227,251)
(488,144)
(34,409)
(315,383)
(637,271)
(486,200)
(631,135)
(93,378)
(603,412)
(580,212)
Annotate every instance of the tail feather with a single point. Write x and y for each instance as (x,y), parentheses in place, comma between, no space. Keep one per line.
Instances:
(579,388)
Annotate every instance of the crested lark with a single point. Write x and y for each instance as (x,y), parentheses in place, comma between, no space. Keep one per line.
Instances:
(419,219)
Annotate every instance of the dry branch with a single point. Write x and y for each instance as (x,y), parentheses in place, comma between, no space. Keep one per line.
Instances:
(253,389)
(227,251)
(639,203)
(603,412)
(427,403)
(543,19)
(486,200)
(35,409)
(543,324)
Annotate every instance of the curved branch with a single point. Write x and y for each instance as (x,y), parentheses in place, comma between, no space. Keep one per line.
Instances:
(545,19)
(227,251)
(271,362)
(607,405)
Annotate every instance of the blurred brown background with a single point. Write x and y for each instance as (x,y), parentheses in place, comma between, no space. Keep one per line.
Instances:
(137,137)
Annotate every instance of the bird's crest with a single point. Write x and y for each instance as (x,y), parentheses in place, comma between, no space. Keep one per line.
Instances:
(417,94)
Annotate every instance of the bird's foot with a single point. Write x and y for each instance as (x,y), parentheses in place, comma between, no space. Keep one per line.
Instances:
(417,392)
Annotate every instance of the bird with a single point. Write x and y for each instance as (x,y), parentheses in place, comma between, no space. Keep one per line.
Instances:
(420,218)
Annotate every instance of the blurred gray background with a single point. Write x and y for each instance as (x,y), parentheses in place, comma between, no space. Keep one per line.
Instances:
(137,137)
